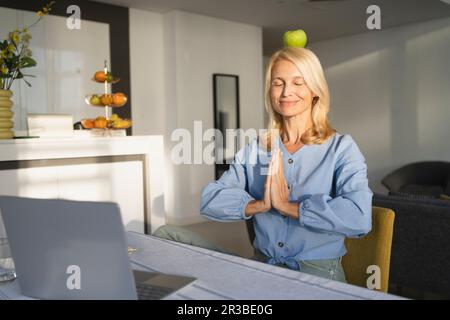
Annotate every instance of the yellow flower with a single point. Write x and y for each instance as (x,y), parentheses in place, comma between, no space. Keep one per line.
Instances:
(14,36)
(10,48)
(45,10)
(4,70)
(26,37)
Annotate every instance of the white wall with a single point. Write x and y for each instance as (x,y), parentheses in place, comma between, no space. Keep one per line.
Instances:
(390,90)
(66,61)
(147,72)
(182,51)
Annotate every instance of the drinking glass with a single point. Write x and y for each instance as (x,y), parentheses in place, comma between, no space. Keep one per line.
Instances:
(7,270)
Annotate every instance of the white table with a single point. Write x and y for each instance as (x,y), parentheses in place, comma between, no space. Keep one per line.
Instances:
(221,276)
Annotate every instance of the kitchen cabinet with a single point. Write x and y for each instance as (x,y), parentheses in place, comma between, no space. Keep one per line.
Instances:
(126,170)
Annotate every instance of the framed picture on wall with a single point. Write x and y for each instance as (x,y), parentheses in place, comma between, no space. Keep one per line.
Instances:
(226,116)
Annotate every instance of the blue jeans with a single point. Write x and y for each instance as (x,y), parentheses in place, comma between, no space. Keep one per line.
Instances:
(326,268)
(329,268)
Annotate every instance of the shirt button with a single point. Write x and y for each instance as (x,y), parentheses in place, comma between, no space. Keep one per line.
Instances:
(289,187)
(280,244)
(290,161)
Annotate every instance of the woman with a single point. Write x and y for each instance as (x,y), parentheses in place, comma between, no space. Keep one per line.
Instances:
(316,192)
(304,196)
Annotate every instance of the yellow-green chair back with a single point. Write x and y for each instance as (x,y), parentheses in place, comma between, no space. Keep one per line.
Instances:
(373,249)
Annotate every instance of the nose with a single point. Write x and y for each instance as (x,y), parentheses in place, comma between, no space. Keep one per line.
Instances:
(287,90)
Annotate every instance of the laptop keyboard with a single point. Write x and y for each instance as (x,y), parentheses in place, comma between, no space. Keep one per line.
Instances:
(151,292)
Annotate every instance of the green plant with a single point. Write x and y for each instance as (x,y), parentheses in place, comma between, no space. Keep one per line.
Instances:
(15,53)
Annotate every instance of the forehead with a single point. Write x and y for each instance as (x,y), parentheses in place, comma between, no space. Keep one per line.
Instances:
(285,69)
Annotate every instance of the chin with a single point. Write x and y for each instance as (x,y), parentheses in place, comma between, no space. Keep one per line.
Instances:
(289,112)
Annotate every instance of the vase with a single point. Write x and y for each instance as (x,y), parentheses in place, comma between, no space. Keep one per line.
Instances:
(6,115)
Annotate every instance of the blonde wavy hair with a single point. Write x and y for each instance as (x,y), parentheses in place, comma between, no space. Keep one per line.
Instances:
(311,69)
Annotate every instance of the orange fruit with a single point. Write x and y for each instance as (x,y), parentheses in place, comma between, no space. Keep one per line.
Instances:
(100,122)
(87,123)
(119,99)
(100,76)
(107,99)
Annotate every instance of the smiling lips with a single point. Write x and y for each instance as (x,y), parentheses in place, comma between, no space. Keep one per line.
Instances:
(288,103)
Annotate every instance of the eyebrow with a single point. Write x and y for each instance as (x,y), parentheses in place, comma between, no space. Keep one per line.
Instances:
(298,77)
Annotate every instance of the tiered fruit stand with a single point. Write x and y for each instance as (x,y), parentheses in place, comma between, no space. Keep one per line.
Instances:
(106,100)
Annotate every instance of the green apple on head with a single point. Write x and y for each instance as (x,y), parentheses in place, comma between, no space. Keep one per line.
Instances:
(295,38)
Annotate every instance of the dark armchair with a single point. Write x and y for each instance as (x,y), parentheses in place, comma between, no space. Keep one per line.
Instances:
(427,179)
(420,257)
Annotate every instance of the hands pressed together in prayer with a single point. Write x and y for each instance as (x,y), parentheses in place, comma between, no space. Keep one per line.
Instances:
(276,192)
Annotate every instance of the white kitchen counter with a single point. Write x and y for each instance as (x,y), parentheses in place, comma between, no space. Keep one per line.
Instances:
(127,170)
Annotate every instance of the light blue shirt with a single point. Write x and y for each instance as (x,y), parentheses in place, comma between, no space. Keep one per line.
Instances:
(329,181)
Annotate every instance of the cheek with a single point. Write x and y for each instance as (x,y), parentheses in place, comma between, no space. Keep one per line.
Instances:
(274,94)
(305,94)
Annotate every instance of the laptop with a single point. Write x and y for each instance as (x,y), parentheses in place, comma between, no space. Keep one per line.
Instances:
(76,250)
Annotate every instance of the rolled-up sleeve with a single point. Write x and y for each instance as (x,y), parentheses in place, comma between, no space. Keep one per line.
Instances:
(350,211)
(226,198)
